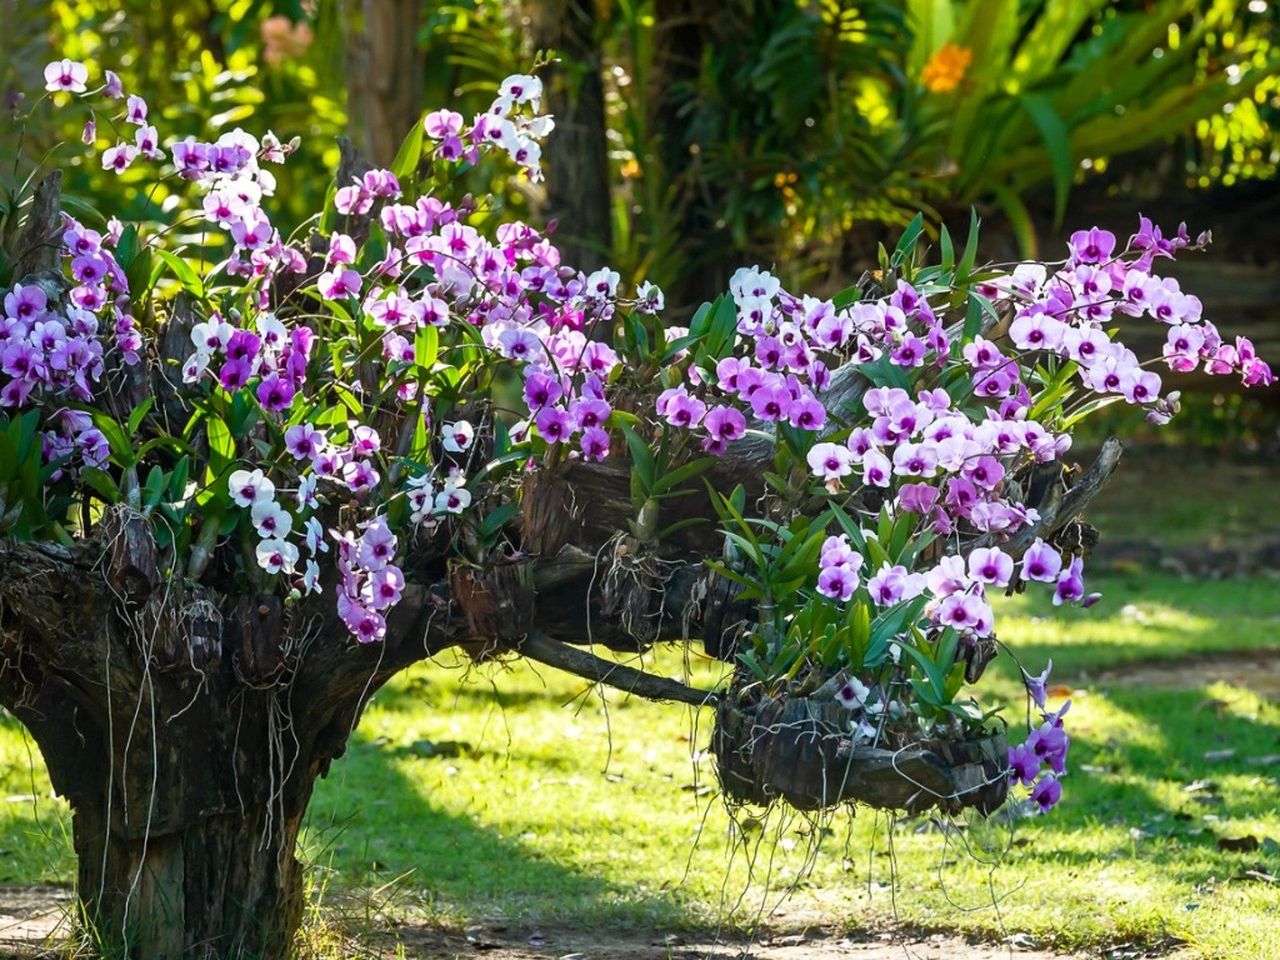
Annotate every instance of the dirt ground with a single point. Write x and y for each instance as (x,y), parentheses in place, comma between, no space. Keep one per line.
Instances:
(814,944)
(1256,670)
(33,925)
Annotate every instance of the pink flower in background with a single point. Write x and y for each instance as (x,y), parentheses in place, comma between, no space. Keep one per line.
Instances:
(338,284)
(830,461)
(118,158)
(595,443)
(1092,246)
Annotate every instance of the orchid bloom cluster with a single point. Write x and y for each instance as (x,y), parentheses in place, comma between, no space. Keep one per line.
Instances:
(436,285)
(952,418)
(1046,746)
(345,388)
(51,352)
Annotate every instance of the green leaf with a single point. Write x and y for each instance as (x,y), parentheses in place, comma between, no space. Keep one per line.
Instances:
(678,476)
(907,243)
(120,443)
(138,275)
(1054,31)
(405,164)
(643,467)
(349,400)
(846,297)
(637,337)
(932,23)
(516,456)
(679,525)
(138,412)
(426,347)
(127,248)
(964,268)
(930,669)
(496,519)
(972,318)
(101,483)
(154,487)
(701,321)
(676,345)
(222,448)
(728,574)
(1057,142)
(851,528)
(178,478)
(182,271)
(329,219)
(1019,218)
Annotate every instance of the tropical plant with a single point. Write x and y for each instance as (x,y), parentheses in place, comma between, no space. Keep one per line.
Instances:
(1013,96)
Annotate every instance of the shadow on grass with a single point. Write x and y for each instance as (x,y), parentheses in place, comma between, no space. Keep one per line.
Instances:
(371,824)
(1157,798)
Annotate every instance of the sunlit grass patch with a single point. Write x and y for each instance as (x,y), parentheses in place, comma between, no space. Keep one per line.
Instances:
(507,792)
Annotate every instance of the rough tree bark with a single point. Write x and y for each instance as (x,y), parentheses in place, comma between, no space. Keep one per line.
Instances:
(576,159)
(186,730)
(384,73)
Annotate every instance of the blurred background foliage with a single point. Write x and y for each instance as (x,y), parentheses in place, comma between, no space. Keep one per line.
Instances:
(698,135)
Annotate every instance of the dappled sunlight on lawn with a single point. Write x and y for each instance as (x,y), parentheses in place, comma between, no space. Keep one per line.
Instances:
(504,792)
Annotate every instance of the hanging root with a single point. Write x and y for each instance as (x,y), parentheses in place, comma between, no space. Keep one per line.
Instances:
(634,589)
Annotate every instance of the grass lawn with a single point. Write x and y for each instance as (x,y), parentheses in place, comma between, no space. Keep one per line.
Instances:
(1187,497)
(503,793)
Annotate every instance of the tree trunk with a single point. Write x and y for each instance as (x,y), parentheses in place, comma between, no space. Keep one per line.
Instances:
(575,158)
(384,73)
(186,731)
(683,32)
(225,886)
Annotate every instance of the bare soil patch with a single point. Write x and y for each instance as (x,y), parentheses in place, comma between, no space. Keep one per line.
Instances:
(1256,670)
(34,926)
(32,919)
(813,944)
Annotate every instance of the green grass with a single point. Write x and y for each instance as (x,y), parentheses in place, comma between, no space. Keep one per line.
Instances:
(556,810)
(1183,498)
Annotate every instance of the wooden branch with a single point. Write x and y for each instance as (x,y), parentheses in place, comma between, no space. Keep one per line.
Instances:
(1057,511)
(554,653)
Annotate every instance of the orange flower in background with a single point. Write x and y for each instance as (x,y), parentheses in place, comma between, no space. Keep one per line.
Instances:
(282,39)
(946,68)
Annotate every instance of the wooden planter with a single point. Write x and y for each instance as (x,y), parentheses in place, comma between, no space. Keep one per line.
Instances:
(800,751)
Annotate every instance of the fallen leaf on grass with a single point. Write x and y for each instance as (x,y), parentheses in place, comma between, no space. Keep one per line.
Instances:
(1245,844)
